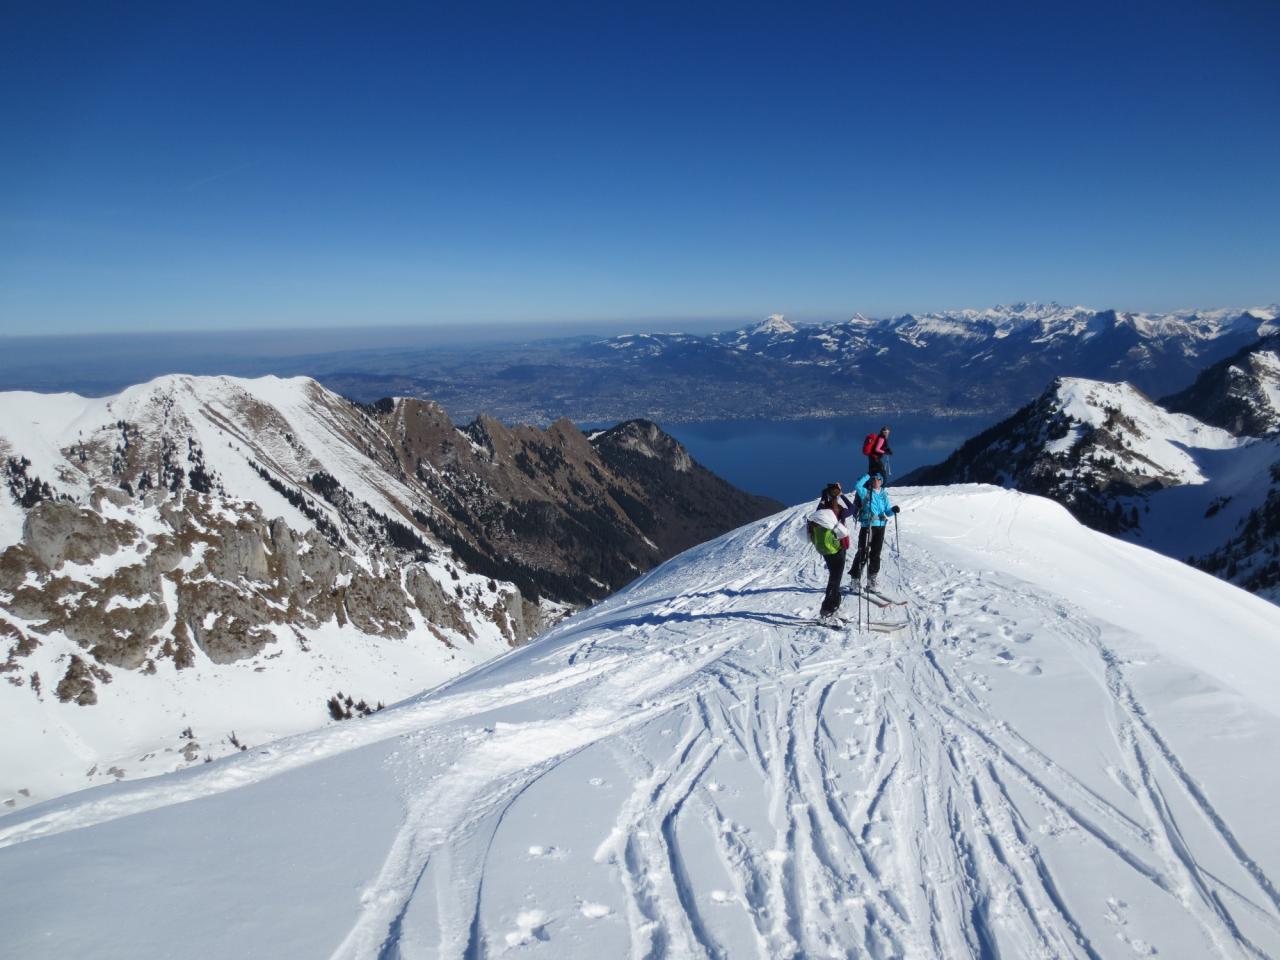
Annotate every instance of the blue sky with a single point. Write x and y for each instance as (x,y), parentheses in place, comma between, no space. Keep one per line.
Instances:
(200,166)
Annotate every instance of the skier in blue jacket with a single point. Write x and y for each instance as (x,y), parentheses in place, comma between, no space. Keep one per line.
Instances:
(875,513)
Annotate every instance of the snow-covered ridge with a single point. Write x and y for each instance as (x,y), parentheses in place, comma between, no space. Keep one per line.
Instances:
(199,564)
(1132,467)
(1087,432)
(1155,443)
(1050,760)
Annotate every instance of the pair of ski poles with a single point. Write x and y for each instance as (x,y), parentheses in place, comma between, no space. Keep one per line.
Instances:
(897,556)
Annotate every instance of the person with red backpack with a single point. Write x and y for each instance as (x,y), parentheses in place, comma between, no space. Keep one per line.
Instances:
(876,447)
(830,537)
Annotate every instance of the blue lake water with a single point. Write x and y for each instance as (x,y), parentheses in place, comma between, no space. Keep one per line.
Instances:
(792,460)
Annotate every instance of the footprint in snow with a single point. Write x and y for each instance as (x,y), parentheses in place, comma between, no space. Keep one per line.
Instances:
(1028,668)
(530,925)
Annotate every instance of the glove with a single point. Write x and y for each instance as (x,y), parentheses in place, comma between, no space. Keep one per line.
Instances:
(895,510)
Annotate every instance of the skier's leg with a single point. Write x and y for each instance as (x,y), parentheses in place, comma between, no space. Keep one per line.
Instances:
(859,558)
(835,570)
(877,543)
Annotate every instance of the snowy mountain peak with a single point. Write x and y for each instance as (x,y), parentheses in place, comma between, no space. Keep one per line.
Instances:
(1089,445)
(1144,439)
(773,325)
(1240,393)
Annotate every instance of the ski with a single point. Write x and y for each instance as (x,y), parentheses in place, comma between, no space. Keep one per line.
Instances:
(831,623)
(879,599)
(887,626)
(886,601)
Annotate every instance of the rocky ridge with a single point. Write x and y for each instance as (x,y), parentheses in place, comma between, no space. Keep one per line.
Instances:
(211,526)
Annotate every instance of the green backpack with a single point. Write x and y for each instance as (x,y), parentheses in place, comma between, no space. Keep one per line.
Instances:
(825,541)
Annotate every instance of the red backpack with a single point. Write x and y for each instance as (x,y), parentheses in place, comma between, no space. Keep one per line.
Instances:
(869,444)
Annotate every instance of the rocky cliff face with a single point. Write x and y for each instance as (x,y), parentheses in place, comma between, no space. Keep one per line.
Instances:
(232,530)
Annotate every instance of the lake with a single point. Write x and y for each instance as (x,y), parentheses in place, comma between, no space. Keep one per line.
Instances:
(792,460)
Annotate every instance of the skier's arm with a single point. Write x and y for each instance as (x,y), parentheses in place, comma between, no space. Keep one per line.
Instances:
(861,485)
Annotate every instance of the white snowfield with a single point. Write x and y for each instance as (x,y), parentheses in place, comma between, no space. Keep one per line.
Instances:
(1069,752)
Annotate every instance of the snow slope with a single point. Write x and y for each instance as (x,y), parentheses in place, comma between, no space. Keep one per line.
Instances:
(1063,755)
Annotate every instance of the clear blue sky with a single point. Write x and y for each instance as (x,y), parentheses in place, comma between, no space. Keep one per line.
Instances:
(208,166)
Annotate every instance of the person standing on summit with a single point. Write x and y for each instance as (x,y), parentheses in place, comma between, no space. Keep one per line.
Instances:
(830,537)
(874,514)
(876,447)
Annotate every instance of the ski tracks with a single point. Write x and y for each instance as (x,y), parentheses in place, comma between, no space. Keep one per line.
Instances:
(789,791)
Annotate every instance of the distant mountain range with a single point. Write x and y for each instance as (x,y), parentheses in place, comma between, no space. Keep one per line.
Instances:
(200,562)
(983,362)
(970,361)
(1196,476)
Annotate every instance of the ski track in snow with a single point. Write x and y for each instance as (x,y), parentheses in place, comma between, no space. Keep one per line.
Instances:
(901,826)
(765,786)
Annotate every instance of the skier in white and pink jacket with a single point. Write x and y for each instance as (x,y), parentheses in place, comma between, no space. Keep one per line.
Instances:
(830,537)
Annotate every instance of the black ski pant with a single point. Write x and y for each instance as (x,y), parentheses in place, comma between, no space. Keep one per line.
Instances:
(835,570)
(870,541)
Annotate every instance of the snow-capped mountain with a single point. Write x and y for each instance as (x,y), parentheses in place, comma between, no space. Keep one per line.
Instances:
(1126,465)
(978,360)
(1085,444)
(1240,393)
(1061,755)
(198,564)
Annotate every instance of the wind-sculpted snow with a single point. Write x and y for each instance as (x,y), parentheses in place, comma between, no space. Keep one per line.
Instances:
(1066,753)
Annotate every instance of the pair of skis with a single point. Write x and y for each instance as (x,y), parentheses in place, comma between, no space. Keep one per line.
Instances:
(884,602)
(880,600)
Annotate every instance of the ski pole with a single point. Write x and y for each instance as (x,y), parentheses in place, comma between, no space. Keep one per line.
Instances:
(857,583)
(897,540)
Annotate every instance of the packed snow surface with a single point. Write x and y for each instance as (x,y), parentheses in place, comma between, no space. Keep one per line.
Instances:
(1067,752)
